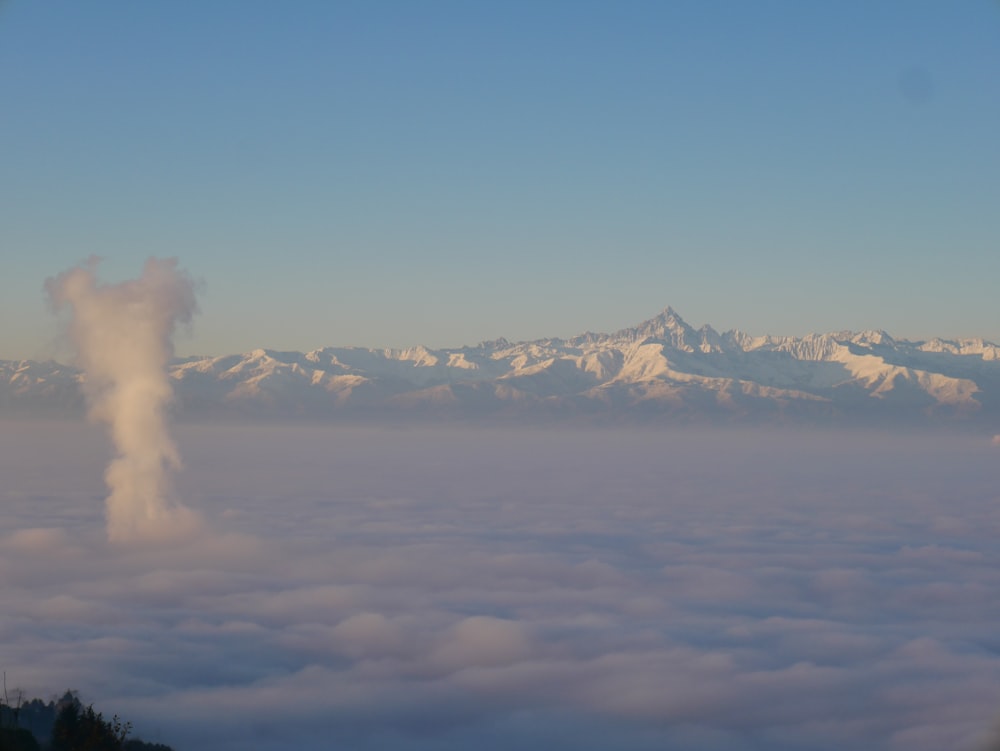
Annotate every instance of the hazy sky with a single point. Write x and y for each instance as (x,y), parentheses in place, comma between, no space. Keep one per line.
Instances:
(395,173)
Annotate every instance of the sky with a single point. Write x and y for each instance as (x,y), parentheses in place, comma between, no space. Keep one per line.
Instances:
(419,590)
(389,174)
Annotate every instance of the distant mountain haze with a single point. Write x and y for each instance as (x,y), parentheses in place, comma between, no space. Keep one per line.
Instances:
(663,369)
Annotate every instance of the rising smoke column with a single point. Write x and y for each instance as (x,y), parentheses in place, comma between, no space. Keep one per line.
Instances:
(123,339)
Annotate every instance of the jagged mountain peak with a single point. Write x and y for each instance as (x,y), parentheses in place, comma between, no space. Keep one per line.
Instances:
(867,338)
(670,317)
(667,324)
(672,330)
(498,343)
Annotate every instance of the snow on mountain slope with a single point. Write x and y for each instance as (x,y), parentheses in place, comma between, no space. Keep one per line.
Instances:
(662,368)
(39,388)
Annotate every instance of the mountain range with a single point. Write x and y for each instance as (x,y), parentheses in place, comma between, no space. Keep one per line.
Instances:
(662,370)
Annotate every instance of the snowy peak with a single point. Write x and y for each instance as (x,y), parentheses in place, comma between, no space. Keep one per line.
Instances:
(668,327)
(871,338)
(674,332)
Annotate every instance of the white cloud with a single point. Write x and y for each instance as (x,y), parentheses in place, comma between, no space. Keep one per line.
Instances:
(123,338)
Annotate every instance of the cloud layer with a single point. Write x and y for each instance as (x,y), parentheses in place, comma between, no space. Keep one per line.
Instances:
(436,589)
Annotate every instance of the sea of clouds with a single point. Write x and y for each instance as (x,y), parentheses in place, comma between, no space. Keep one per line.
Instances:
(420,589)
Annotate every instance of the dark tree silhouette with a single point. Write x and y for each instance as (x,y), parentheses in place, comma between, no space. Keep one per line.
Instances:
(82,729)
(63,724)
(17,739)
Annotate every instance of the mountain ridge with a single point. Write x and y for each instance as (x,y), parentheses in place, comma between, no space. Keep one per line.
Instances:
(662,369)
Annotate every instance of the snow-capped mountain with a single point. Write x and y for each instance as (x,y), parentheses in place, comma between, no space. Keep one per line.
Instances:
(661,370)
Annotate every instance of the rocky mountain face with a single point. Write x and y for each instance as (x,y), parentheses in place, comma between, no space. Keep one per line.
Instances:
(661,370)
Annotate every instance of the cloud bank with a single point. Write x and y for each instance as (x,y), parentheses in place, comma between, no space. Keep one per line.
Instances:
(432,589)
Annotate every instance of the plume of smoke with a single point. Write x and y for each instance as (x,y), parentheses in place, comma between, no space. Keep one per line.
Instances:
(123,334)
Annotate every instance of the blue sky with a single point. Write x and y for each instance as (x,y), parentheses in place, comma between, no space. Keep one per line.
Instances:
(396,173)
